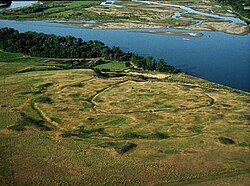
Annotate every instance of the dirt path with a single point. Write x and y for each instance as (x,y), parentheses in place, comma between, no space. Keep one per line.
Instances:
(45,117)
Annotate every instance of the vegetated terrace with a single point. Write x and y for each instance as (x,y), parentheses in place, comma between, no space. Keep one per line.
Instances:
(117,126)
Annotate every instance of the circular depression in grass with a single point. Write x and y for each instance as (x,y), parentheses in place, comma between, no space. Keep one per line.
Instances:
(133,96)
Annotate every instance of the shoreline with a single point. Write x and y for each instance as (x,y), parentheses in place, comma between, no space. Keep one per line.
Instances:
(244,30)
(111,26)
(135,30)
(169,33)
(147,74)
(226,25)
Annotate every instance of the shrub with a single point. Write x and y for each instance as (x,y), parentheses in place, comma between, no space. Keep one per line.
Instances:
(100,74)
(66,134)
(125,148)
(133,135)
(77,85)
(226,141)
(27,120)
(42,87)
(41,126)
(158,135)
(81,132)
(196,129)
(17,127)
(100,62)
(127,64)
(107,144)
(119,147)
(44,99)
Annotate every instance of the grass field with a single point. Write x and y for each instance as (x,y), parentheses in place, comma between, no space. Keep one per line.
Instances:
(71,127)
(113,66)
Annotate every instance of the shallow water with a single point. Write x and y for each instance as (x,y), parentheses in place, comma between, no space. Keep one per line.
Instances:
(215,56)
(189,10)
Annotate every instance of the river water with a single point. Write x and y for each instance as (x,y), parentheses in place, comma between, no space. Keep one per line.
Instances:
(216,56)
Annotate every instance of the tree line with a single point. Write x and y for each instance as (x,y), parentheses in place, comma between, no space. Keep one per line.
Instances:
(53,46)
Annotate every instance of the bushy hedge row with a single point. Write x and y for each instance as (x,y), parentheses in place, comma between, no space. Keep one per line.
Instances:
(53,46)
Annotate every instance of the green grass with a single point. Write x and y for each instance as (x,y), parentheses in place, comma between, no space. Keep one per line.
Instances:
(12,63)
(112,66)
(18,58)
(17,63)
(54,10)
(6,56)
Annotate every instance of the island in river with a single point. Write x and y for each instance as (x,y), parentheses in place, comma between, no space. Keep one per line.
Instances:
(196,14)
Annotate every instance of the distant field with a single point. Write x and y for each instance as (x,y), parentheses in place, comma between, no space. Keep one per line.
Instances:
(75,127)
(129,15)
(113,66)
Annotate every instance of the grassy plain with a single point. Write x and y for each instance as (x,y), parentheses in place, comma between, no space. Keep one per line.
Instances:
(74,127)
(113,66)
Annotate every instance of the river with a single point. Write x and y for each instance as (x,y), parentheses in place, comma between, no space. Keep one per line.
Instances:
(216,56)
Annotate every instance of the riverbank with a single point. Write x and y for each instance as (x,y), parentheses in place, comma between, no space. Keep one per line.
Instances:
(112,25)
(226,27)
(132,15)
(166,33)
(203,57)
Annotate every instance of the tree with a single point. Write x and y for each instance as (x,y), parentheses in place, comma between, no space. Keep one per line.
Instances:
(53,46)
(160,65)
